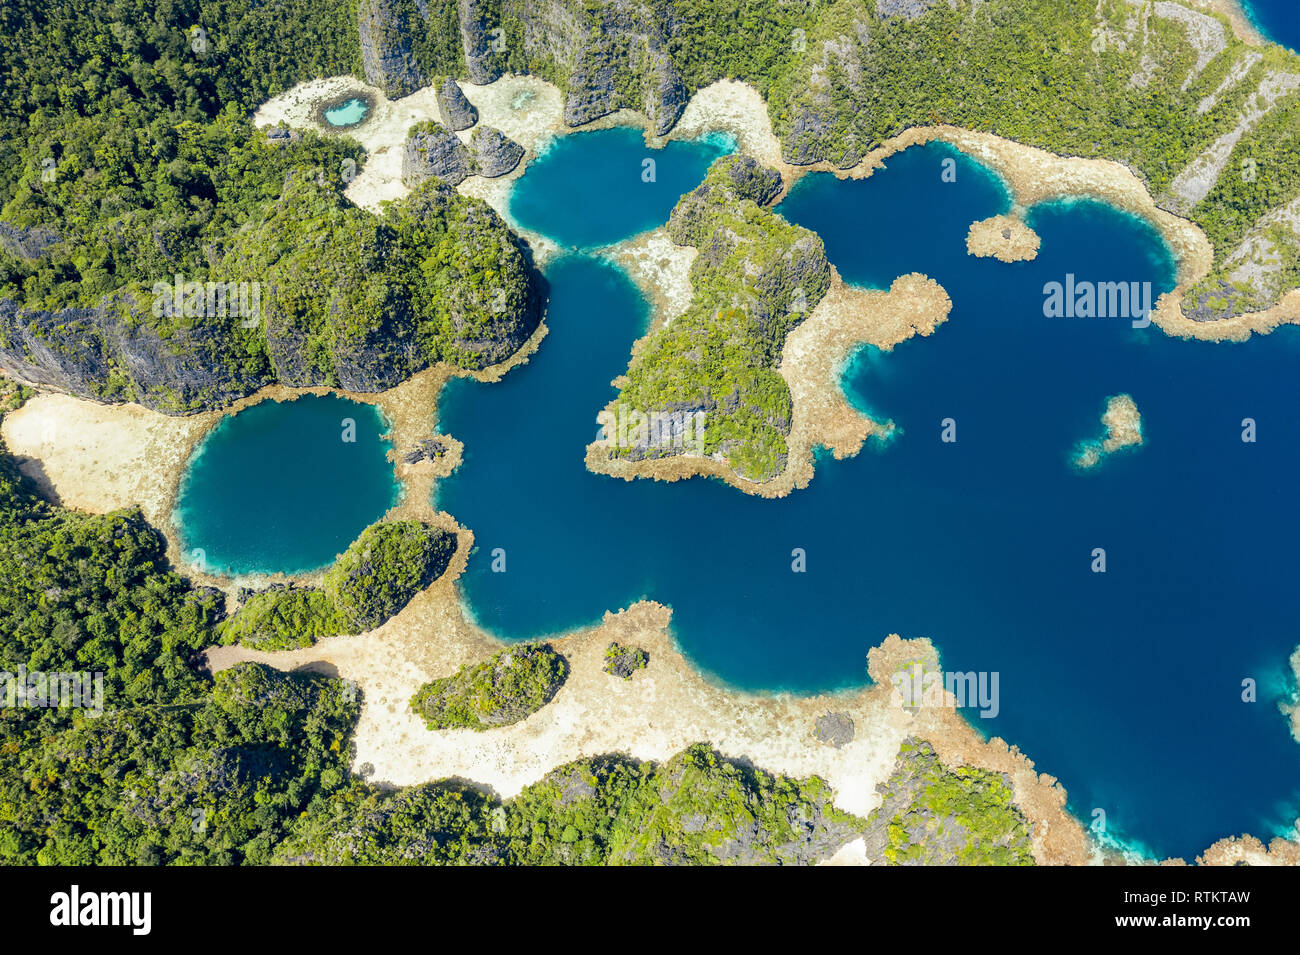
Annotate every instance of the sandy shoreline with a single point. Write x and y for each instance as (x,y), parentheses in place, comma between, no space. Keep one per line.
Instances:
(100,458)
(1242,26)
(657,713)
(530,111)
(1031,176)
(660,711)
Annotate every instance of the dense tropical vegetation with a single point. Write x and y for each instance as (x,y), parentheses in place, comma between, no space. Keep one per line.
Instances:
(507,687)
(371,581)
(139,169)
(931,814)
(252,766)
(1106,79)
(696,809)
(128,159)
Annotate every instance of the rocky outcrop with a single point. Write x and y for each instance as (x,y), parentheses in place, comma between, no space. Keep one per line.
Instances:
(29,243)
(733,179)
(836,729)
(494,153)
(383,357)
(755,277)
(623,662)
(427,449)
(125,349)
(433,150)
(456,109)
(608,56)
(688,819)
(508,687)
(64,350)
(193,368)
(907,9)
(591,90)
(665,95)
(387,48)
(754,181)
(1215,300)
(282,135)
(482,64)
(827,121)
(602,69)
(612,56)
(95,353)
(482,333)
(931,814)
(387,565)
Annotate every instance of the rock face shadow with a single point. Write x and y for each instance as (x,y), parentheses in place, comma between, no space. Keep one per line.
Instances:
(34,470)
(319,668)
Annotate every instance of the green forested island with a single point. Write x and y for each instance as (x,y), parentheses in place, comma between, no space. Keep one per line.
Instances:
(372,580)
(755,278)
(509,686)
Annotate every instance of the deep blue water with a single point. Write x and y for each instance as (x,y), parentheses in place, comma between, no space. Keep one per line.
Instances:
(590,189)
(347,114)
(1279,20)
(277,488)
(1125,685)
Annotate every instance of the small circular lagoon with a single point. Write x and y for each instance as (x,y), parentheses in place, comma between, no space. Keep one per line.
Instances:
(285,486)
(347,111)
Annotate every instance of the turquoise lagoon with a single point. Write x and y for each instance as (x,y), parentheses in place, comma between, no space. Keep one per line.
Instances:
(349,113)
(280,487)
(1126,685)
(590,189)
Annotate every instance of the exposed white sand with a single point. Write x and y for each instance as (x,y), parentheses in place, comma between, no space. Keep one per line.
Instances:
(526,109)
(657,713)
(100,458)
(660,269)
(812,363)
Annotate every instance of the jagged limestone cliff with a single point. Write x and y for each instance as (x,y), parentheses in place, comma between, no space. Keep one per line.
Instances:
(348,304)
(1212,125)
(137,195)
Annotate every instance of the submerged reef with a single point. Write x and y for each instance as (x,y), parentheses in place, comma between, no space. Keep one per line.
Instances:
(1123,430)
